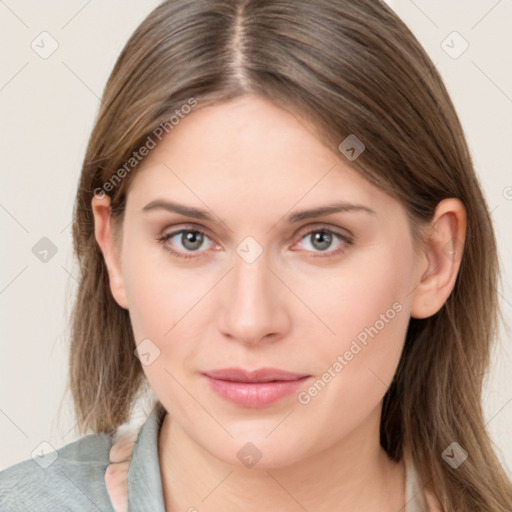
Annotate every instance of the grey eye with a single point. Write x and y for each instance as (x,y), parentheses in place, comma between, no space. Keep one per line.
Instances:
(321,240)
(191,240)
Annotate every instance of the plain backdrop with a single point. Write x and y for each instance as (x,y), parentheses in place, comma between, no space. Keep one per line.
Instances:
(47,107)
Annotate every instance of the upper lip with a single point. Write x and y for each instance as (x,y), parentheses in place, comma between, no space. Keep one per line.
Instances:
(256,375)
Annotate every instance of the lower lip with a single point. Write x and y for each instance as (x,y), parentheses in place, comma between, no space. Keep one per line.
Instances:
(254,394)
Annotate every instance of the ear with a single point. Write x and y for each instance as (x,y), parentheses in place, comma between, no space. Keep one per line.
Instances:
(441,256)
(104,234)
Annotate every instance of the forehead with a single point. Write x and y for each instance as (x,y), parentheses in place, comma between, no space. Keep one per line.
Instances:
(251,152)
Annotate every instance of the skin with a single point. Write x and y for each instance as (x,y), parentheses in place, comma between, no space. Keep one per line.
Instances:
(251,164)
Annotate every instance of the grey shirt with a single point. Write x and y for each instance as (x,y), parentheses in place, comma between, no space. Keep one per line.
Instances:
(76,479)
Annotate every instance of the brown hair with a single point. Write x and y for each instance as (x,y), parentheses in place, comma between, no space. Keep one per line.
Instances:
(344,67)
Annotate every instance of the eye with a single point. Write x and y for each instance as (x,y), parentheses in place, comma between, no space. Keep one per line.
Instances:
(191,240)
(320,240)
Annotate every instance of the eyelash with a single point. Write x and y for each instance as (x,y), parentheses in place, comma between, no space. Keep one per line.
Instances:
(322,254)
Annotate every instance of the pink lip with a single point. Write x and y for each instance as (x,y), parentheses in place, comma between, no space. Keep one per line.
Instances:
(256,388)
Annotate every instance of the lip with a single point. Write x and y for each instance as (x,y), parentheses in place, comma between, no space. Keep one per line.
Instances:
(257,388)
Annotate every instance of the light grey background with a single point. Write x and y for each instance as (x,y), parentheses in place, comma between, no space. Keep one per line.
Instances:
(47,107)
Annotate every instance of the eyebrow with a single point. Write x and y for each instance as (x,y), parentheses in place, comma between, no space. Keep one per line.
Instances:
(189,211)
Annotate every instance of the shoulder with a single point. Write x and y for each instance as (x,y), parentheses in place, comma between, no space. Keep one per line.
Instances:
(70,478)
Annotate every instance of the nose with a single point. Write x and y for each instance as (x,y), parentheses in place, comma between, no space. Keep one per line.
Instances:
(253,302)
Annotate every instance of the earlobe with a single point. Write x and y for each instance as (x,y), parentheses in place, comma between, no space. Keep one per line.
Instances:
(441,257)
(104,234)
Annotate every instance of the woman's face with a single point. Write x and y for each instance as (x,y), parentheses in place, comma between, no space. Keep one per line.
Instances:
(253,283)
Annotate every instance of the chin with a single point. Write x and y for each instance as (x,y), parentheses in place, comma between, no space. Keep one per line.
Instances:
(258,452)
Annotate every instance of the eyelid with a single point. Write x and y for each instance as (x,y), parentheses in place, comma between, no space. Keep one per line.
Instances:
(319,226)
(173,230)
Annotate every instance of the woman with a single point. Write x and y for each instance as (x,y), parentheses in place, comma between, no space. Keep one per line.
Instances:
(280,231)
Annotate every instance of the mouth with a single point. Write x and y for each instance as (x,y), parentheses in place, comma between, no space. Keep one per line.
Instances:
(257,388)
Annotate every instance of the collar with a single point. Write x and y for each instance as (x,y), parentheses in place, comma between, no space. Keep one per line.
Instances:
(133,478)
(144,480)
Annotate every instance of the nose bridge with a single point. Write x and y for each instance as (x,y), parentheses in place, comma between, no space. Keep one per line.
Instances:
(251,280)
(253,308)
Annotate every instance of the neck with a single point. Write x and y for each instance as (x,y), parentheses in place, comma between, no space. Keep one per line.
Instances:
(355,474)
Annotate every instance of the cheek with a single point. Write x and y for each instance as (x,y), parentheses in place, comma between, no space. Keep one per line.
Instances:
(159,292)
(366,296)
(368,307)
(167,307)
(162,306)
